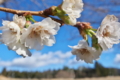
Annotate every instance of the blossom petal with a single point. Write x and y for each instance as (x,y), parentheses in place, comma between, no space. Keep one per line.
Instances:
(5,22)
(72,20)
(20,49)
(20,20)
(23,51)
(108,19)
(50,41)
(8,37)
(33,43)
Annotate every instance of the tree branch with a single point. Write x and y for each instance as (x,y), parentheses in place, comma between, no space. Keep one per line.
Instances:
(37,13)
(44,13)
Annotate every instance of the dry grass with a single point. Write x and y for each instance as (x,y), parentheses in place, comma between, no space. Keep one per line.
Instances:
(101,78)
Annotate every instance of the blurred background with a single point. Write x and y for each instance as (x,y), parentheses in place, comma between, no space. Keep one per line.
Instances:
(57,61)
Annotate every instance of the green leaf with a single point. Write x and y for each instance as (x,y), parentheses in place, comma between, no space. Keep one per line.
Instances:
(62,15)
(95,42)
(27,19)
(59,12)
(93,29)
(88,32)
(26,26)
(31,19)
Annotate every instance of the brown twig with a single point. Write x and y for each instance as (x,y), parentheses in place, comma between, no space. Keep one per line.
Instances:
(37,13)
(44,13)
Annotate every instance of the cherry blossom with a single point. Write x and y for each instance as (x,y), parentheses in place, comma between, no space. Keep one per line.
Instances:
(39,34)
(10,35)
(84,52)
(108,32)
(73,8)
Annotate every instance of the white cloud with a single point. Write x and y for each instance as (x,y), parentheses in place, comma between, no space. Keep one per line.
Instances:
(74,61)
(41,60)
(117,58)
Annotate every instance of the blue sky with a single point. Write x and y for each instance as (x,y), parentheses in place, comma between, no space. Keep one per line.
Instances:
(59,55)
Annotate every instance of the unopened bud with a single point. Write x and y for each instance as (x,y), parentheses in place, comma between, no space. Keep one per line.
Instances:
(82,26)
(27,23)
(86,25)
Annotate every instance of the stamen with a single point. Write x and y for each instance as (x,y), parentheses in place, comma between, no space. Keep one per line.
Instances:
(83,51)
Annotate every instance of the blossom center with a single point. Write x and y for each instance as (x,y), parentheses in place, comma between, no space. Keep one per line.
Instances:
(20,24)
(83,51)
(71,1)
(13,31)
(106,33)
(73,6)
(38,31)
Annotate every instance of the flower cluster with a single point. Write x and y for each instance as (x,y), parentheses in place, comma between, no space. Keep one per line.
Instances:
(105,37)
(20,38)
(20,34)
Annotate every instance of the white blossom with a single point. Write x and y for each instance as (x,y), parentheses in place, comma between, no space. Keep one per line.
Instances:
(108,32)
(10,35)
(19,20)
(72,20)
(84,52)
(73,8)
(39,34)
(10,32)
(20,49)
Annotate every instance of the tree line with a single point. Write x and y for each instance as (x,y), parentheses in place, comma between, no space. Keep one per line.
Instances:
(81,72)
